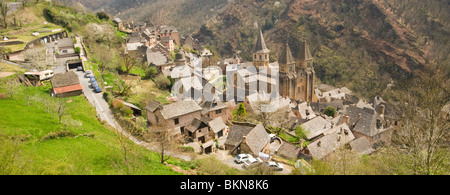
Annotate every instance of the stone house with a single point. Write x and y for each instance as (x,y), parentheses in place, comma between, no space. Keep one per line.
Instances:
(215,109)
(169,31)
(66,84)
(118,23)
(366,122)
(168,42)
(247,139)
(332,140)
(361,146)
(198,130)
(314,128)
(175,116)
(218,127)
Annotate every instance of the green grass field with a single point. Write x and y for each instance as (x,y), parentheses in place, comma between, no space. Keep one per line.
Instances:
(100,154)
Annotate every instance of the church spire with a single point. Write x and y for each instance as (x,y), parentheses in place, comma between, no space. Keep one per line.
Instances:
(304,57)
(305,54)
(260,44)
(286,56)
(261,53)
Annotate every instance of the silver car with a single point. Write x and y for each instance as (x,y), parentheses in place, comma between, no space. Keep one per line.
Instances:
(88,74)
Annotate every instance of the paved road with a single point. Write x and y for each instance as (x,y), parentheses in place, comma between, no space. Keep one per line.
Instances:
(105,114)
(96,99)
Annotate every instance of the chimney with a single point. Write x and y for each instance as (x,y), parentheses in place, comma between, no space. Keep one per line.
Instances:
(381,111)
(345,119)
(244,139)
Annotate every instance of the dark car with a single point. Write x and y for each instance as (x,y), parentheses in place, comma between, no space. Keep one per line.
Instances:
(94,83)
(97,89)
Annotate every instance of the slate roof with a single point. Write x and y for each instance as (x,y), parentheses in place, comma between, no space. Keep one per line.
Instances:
(234,137)
(286,56)
(289,151)
(261,44)
(212,106)
(361,146)
(64,79)
(364,120)
(315,127)
(304,53)
(330,142)
(153,105)
(196,124)
(217,125)
(257,138)
(179,108)
(156,58)
(319,106)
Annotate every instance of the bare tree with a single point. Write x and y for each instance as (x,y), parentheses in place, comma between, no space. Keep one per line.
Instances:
(61,109)
(133,164)
(425,133)
(160,135)
(129,60)
(100,52)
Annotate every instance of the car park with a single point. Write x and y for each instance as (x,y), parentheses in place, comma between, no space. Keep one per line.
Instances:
(274,165)
(240,158)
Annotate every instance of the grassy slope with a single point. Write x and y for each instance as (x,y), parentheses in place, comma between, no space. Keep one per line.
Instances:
(98,155)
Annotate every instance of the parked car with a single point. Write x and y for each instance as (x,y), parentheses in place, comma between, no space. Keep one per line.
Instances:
(252,162)
(79,68)
(94,83)
(240,158)
(274,165)
(88,74)
(97,89)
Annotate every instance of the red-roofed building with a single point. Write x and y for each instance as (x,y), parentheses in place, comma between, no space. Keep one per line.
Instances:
(66,84)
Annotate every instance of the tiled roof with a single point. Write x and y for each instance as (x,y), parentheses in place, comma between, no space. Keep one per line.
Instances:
(179,108)
(66,89)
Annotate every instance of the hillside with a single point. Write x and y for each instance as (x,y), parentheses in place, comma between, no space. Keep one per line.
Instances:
(186,15)
(358,43)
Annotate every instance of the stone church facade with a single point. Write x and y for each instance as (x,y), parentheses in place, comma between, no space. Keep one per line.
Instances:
(296,75)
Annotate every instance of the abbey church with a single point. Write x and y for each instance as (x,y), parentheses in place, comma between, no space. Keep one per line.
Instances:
(296,74)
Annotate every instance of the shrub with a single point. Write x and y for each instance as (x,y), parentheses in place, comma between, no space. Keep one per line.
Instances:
(150,72)
(186,148)
(77,50)
(126,111)
(58,134)
(102,15)
(162,82)
(330,111)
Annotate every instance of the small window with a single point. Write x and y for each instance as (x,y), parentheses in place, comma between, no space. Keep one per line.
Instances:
(177,121)
(218,111)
